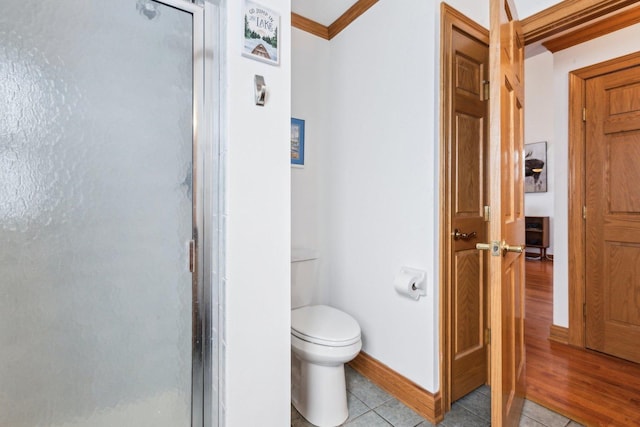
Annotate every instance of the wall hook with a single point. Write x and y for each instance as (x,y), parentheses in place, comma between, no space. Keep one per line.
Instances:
(260,90)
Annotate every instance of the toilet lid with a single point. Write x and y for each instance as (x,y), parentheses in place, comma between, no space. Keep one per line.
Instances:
(324,325)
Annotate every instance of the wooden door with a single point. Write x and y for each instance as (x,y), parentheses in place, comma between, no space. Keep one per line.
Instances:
(467,156)
(613,213)
(506,187)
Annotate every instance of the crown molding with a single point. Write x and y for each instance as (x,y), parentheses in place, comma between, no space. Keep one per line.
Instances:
(353,13)
(310,26)
(611,23)
(327,33)
(568,15)
(555,26)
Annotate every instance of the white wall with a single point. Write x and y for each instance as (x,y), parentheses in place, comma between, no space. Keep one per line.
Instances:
(380,182)
(539,126)
(607,47)
(476,10)
(258,183)
(527,7)
(310,101)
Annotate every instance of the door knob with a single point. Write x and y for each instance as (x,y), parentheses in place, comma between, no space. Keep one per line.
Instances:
(499,248)
(457,235)
(508,248)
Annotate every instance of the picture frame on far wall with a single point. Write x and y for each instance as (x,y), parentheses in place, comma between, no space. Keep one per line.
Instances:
(297,142)
(535,167)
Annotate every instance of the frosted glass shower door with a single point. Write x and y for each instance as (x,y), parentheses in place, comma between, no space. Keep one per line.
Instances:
(97,208)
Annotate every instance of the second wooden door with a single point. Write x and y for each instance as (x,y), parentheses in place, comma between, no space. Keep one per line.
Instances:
(470,60)
(612,308)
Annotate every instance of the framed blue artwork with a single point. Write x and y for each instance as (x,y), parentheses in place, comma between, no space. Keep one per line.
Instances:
(297,142)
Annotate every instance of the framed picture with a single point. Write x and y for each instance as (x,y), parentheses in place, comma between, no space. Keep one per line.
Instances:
(261,33)
(297,142)
(535,167)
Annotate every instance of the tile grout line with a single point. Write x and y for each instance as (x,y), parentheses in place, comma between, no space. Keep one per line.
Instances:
(359,416)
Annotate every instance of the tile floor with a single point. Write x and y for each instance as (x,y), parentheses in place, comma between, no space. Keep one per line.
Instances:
(369,406)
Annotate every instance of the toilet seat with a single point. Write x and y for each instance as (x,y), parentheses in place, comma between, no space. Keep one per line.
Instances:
(324,325)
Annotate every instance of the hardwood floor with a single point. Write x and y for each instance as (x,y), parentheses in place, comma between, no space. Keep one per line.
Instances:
(589,387)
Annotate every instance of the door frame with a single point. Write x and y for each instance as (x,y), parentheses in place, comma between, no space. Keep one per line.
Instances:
(198,261)
(202,237)
(207,168)
(450,18)
(577,183)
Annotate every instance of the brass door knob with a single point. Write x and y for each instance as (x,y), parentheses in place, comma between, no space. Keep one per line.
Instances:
(457,235)
(508,248)
(499,248)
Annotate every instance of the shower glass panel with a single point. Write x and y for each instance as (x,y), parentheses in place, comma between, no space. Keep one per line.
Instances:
(96,213)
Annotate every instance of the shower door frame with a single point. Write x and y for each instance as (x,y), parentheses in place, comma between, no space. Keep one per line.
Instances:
(201,235)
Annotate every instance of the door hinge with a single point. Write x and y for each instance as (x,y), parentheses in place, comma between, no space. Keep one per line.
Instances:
(584,114)
(486,87)
(192,256)
(487,336)
(584,212)
(487,213)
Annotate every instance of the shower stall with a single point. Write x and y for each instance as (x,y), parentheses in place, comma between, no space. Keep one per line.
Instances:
(104,272)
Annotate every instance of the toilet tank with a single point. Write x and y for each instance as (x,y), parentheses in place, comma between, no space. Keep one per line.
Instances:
(304,277)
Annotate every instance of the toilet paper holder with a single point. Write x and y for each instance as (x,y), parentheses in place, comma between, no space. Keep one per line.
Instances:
(416,280)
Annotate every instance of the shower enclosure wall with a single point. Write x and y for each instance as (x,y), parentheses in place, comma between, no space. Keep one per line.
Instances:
(105,279)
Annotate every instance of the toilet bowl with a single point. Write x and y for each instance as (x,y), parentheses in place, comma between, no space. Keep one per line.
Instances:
(323,339)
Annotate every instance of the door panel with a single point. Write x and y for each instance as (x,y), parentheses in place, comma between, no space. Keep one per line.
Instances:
(96,213)
(506,265)
(470,361)
(468,307)
(613,214)
(468,146)
(624,191)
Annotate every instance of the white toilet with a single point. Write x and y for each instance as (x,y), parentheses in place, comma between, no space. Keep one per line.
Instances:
(323,339)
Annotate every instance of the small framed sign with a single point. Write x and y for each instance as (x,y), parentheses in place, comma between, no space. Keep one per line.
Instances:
(297,142)
(261,33)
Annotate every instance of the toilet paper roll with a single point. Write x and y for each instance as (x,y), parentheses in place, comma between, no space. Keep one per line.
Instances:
(407,284)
